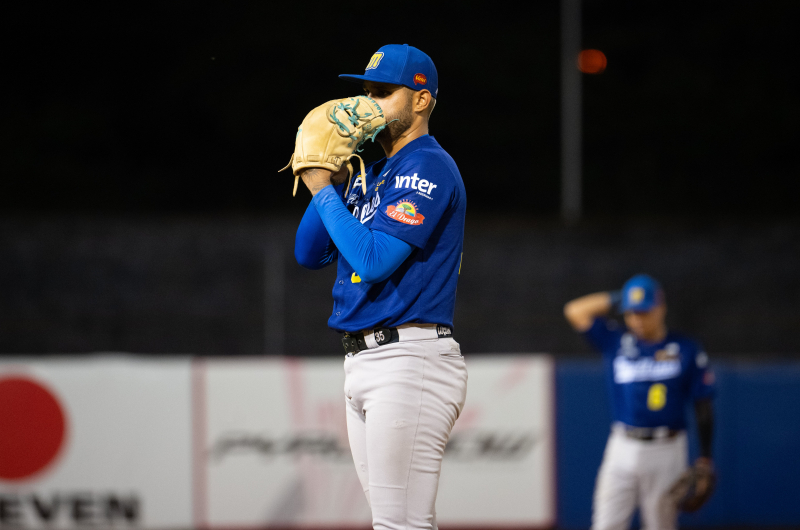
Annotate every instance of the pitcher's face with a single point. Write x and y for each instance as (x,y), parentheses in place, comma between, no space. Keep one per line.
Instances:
(396,102)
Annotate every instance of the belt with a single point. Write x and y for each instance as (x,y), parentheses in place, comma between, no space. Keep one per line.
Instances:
(372,338)
(647,434)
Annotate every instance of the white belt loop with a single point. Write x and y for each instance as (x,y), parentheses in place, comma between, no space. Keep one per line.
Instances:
(661,432)
(417,332)
(369,338)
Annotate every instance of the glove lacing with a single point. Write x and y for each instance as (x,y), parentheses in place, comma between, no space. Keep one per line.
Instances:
(349,171)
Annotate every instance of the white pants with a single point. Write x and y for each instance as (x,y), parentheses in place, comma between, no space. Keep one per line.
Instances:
(638,472)
(402,402)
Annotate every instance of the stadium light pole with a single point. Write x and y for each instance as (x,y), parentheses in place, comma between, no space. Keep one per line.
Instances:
(571,94)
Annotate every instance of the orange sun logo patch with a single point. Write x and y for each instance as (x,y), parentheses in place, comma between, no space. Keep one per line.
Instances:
(405,212)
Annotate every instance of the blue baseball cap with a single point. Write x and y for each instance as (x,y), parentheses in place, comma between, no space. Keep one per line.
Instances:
(641,293)
(400,64)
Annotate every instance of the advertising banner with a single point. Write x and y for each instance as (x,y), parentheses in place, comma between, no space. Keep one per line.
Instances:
(499,465)
(274,452)
(133,442)
(275,448)
(95,442)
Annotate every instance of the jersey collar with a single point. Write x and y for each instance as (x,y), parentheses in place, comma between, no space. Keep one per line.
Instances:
(422,142)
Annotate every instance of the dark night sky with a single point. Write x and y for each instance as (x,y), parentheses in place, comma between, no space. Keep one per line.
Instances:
(176,108)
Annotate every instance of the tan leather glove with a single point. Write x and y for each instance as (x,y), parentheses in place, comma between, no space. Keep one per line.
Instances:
(694,487)
(331,134)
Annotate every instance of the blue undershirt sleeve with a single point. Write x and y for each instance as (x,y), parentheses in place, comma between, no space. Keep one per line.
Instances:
(373,254)
(604,335)
(313,247)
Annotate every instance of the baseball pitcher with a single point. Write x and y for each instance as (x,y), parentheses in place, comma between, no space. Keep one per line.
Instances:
(653,374)
(395,228)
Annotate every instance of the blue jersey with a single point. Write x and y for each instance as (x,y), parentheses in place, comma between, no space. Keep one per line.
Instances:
(417,196)
(651,384)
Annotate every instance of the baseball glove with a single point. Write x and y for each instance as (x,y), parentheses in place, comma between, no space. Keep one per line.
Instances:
(693,488)
(331,134)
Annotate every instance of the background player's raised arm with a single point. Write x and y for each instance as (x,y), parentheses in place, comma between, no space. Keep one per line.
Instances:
(581,312)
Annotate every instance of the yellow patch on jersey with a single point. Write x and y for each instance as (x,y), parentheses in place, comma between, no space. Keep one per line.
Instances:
(657,397)
(374,61)
(355,278)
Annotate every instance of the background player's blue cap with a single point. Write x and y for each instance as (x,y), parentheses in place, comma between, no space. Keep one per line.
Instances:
(641,293)
(400,64)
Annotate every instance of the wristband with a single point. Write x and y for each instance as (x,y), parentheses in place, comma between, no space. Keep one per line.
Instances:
(616,298)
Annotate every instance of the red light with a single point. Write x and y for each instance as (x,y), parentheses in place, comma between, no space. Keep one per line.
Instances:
(592,62)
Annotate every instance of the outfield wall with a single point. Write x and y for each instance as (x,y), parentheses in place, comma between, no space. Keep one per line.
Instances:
(182,442)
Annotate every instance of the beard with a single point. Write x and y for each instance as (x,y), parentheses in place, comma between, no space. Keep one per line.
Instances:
(397,124)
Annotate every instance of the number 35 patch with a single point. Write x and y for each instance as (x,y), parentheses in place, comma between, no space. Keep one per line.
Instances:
(383,335)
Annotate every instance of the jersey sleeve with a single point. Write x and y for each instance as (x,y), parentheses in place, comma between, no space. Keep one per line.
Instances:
(604,335)
(373,254)
(313,247)
(417,195)
(702,382)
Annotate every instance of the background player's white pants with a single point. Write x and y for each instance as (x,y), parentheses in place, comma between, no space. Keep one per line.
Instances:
(402,402)
(637,472)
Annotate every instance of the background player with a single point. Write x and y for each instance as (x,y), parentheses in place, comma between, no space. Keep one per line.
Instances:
(399,252)
(653,373)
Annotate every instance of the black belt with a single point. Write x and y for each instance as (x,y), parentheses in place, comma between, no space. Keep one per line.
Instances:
(355,342)
(650,433)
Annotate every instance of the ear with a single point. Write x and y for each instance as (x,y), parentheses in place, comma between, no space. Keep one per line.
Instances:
(422,100)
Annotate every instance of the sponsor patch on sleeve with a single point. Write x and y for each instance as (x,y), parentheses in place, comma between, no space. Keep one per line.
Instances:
(406,212)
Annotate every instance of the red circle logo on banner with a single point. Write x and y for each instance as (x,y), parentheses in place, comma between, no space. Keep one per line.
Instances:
(33,427)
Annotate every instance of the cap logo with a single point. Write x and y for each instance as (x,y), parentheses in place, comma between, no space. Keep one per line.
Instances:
(420,79)
(636,295)
(375,61)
